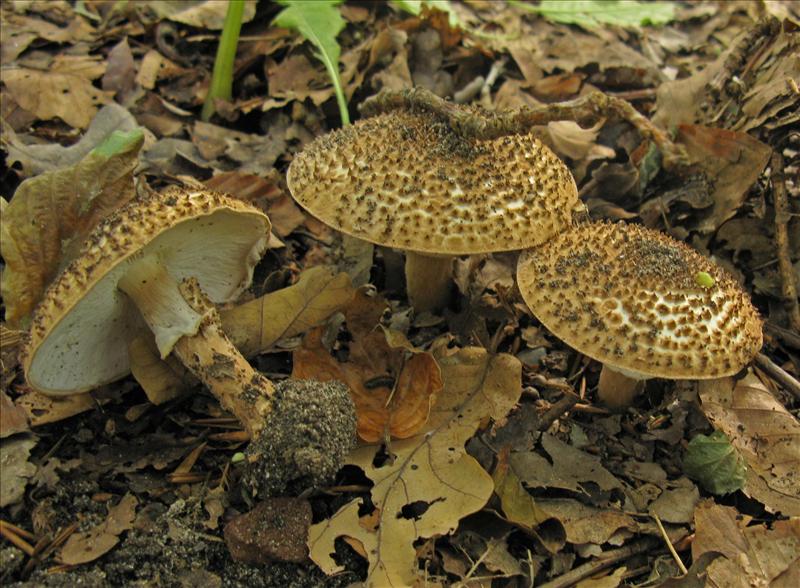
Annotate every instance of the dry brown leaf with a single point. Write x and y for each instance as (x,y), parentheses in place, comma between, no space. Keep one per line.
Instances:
(518,505)
(392,383)
(766,435)
(16,468)
(753,555)
(49,95)
(41,409)
(587,524)
(89,545)
(49,218)
(257,325)
(430,473)
(732,160)
(12,418)
(568,468)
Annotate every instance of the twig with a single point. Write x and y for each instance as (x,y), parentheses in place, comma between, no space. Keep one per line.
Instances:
(564,405)
(777,373)
(15,539)
(475,123)
(606,560)
(785,335)
(671,548)
(782,215)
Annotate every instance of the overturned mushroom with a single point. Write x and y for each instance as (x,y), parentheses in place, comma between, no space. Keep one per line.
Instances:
(173,254)
(405,179)
(640,302)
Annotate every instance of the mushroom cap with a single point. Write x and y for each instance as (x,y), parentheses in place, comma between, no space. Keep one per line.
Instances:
(632,299)
(81,328)
(406,180)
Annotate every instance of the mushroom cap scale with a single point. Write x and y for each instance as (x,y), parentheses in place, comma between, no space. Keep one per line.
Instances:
(80,330)
(406,180)
(628,297)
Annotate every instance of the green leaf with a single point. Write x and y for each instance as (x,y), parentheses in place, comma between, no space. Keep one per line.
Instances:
(595,13)
(319,21)
(714,463)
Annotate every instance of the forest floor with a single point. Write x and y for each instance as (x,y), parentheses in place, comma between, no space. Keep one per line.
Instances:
(485,457)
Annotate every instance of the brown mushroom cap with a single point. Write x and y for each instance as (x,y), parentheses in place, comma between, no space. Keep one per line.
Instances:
(81,329)
(631,298)
(406,180)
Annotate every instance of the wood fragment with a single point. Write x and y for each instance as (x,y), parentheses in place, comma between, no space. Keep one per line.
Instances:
(777,373)
(484,125)
(782,216)
(601,562)
(15,539)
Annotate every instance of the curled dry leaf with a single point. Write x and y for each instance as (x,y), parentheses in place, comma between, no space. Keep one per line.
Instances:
(392,384)
(430,473)
(89,545)
(766,435)
(752,555)
(50,216)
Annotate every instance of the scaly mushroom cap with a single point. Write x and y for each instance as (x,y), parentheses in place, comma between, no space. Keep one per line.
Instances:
(640,302)
(406,180)
(81,329)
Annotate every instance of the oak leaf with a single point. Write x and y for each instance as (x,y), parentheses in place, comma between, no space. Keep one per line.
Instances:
(393,384)
(764,433)
(429,482)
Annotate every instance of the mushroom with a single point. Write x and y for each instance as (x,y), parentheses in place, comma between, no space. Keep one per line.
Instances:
(172,255)
(407,180)
(640,302)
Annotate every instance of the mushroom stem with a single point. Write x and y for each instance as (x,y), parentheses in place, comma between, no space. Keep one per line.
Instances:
(186,323)
(616,390)
(428,280)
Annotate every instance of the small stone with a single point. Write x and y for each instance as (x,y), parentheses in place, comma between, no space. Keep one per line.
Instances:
(275,530)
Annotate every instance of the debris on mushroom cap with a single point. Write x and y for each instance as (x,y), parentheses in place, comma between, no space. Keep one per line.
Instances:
(81,329)
(628,297)
(407,180)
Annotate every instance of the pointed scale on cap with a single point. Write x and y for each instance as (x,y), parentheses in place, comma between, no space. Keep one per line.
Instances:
(630,298)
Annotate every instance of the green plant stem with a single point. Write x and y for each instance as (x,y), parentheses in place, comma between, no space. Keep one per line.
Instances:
(222,77)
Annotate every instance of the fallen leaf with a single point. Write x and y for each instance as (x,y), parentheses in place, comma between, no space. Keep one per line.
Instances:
(732,160)
(16,468)
(12,418)
(41,409)
(203,14)
(257,325)
(50,216)
(408,380)
(428,482)
(765,434)
(88,545)
(518,505)
(49,95)
(754,555)
(36,158)
(568,468)
(715,463)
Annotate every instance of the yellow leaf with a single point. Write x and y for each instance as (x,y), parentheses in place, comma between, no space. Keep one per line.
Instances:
(49,218)
(518,505)
(256,325)
(428,483)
